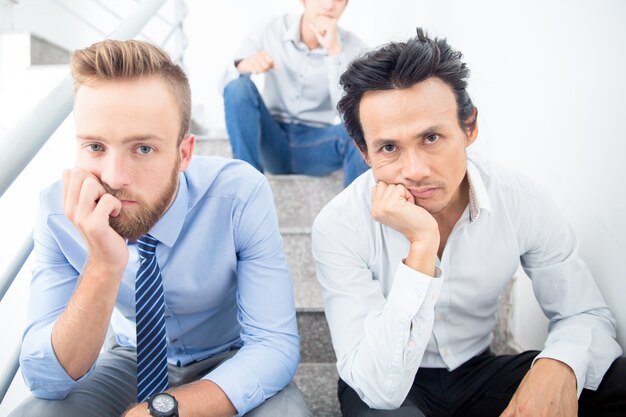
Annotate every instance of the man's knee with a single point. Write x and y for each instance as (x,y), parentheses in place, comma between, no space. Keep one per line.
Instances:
(240,89)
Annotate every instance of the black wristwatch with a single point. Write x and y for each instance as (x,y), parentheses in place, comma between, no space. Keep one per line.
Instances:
(163,405)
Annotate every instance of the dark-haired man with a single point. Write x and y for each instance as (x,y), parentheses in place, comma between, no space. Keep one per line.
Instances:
(413,256)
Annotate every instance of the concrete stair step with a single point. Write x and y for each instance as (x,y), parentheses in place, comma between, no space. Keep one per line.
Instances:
(318,383)
(299,198)
(307,291)
(315,342)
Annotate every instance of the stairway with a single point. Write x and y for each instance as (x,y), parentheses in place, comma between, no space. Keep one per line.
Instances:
(298,199)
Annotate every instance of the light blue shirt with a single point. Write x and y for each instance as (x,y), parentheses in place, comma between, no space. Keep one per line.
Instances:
(225,280)
(304,85)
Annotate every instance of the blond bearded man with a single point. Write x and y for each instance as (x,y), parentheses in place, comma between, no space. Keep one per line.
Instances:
(178,256)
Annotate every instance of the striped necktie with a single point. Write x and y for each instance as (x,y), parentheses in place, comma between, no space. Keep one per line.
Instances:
(149,307)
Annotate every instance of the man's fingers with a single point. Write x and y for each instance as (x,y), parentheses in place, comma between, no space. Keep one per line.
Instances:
(257,64)
(90,192)
(393,191)
(72,185)
(266,59)
(107,206)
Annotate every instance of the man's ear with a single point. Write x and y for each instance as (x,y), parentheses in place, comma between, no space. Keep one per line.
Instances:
(472,127)
(185,151)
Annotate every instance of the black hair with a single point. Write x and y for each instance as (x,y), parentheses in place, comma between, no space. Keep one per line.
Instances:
(400,65)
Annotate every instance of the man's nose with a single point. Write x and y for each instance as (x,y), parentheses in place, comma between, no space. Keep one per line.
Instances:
(114,172)
(415,166)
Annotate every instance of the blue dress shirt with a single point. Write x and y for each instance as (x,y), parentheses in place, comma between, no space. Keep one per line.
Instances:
(225,280)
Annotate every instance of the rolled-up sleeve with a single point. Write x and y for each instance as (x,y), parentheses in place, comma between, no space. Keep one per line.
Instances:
(271,346)
(52,284)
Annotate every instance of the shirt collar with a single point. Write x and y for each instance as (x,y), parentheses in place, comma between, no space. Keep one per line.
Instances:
(167,229)
(293,30)
(478,198)
(292,34)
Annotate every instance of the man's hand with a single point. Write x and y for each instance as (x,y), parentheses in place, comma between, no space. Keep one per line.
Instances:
(394,206)
(88,206)
(325,30)
(256,64)
(548,389)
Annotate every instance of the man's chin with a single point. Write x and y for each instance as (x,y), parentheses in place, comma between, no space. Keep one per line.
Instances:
(129,229)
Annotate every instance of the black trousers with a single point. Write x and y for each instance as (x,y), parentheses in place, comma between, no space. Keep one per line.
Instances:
(483,387)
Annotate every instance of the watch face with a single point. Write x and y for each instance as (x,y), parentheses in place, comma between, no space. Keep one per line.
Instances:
(163,403)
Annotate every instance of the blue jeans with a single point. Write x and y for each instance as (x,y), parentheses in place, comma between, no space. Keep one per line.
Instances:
(285,148)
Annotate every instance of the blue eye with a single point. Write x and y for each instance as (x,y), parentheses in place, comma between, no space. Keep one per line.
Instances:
(145,150)
(95,147)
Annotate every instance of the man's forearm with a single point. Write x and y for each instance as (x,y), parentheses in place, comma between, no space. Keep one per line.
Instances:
(79,333)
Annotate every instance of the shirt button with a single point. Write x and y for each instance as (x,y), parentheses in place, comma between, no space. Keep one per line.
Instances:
(417,294)
(434,296)
(446,353)
(411,344)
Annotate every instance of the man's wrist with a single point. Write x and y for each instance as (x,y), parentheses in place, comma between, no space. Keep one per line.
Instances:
(422,257)
(99,269)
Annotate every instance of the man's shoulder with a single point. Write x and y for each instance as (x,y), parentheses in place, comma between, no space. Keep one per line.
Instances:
(279,24)
(219,177)
(51,199)
(351,203)
(499,178)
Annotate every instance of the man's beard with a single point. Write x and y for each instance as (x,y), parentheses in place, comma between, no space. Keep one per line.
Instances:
(133,225)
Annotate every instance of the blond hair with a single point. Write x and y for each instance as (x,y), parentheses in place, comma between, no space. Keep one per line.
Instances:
(112,60)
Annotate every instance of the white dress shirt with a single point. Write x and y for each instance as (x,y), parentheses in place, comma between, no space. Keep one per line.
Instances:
(304,85)
(387,320)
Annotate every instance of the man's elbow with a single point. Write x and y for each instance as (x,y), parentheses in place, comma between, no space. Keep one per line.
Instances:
(41,382)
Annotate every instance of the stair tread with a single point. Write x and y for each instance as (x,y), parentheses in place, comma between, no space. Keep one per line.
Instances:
(318,383)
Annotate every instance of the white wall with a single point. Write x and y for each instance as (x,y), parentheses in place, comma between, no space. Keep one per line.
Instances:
(547,77)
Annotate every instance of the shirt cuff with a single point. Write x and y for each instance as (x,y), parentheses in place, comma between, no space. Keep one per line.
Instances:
(239,384)
(44,375)
(571,355)
(410,288)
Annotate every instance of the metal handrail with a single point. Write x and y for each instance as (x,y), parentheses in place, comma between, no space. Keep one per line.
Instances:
(8,276)
(79,17)
(8,373)
(19,146)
